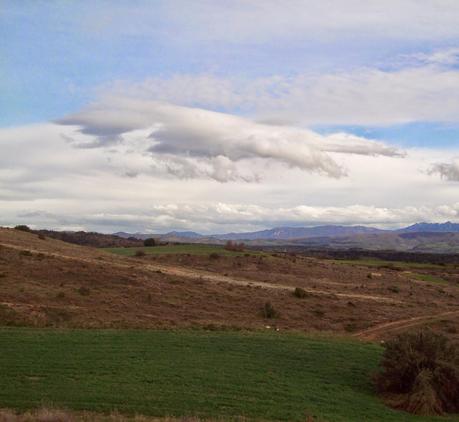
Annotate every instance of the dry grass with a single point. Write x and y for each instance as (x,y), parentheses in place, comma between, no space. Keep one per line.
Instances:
(56,415)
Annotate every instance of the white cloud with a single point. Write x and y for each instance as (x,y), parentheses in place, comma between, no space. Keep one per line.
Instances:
(45,181)
(365,96)
(258,21)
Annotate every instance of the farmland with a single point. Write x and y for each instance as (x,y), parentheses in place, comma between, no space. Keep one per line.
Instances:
(208,374)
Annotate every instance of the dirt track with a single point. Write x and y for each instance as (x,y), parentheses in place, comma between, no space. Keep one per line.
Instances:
(390,328)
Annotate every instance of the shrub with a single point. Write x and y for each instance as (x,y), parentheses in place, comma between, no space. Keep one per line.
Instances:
(393,289)
(214,255)
(149,242)
(269,311)
(84,291)
(139,253)
(23,228)
(41,236)
(300,293)
(420,371)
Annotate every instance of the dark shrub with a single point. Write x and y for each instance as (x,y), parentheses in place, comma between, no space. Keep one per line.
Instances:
(300,293)
(420,372)
(23,228)
(139,253)
(393,289)
(214,255)
(84,291)
(269,311)
(25,253)
(149,242)
(41,236)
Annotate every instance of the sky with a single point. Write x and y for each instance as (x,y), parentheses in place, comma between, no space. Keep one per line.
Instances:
(151,116)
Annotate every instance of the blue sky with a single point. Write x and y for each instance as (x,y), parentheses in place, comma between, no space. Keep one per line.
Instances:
(385,73)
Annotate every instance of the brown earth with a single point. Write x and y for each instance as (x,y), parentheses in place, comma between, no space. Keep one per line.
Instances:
(46,282)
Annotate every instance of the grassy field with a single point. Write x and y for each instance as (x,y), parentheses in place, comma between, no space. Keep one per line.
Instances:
(374,262)
(192,249)
(258,375)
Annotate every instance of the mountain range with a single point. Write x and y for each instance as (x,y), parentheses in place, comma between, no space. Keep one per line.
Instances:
(295,233)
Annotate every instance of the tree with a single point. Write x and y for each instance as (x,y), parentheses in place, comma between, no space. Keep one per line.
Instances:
(149,242)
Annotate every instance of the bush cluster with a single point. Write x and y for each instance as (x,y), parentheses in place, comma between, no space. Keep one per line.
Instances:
(420,373)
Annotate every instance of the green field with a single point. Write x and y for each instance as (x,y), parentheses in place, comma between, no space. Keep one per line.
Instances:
(192,249)
(208,374)
(374,262)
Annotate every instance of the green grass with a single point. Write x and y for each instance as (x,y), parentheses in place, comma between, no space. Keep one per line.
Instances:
(429,278)
(192,249)
(374,262)
(208,374)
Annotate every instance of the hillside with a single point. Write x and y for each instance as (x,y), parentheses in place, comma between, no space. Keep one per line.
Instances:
(47,282)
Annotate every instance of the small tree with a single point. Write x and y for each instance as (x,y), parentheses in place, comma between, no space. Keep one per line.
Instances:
(420,372)
(149,242)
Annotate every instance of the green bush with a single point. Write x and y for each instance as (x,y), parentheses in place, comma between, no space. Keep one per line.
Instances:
(420,373)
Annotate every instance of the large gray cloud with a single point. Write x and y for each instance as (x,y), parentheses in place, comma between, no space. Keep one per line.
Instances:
(216,139)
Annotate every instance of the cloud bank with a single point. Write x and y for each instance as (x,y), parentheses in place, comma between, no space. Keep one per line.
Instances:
(193,142)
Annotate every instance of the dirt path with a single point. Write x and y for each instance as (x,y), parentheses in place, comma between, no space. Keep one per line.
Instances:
(208,276)
(394,327)
(198,274)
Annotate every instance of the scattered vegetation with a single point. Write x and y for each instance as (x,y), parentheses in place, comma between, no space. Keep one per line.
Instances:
(192,249)
(214,255)
(420,372)
(139,253)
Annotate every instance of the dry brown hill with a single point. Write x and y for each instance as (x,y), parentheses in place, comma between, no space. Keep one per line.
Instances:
(47,282)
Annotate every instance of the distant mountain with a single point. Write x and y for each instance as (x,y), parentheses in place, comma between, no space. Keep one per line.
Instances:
(447,227)
(420,235)
(184,235)
(286,233)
